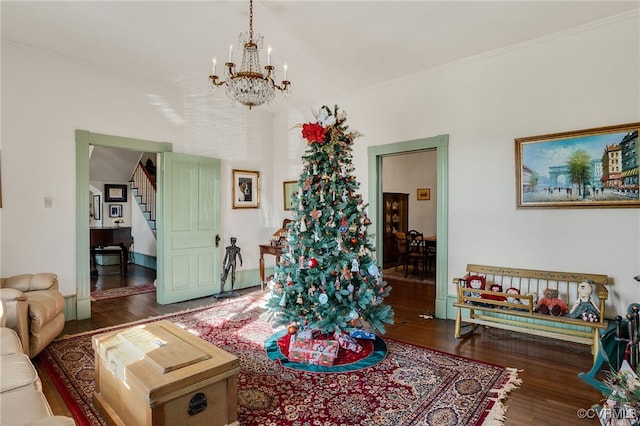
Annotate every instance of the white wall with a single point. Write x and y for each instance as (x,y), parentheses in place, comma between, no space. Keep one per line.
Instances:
(243,140)
(406,173)
(577,80)
(144,242)
(45,99)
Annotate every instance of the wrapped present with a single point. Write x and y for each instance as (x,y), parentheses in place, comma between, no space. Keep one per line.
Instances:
(313,351)
(347,342)
(305,333)
(358,333)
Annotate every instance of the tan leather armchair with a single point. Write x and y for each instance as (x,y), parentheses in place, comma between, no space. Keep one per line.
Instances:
(35,309)
(22,402)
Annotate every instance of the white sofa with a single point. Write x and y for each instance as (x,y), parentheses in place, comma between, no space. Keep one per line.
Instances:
(35,309)
(22,402)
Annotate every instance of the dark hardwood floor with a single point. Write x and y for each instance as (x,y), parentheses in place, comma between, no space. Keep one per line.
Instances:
(551,393)
(109,276)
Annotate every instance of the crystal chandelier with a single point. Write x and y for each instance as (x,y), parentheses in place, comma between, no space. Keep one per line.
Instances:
(249,85)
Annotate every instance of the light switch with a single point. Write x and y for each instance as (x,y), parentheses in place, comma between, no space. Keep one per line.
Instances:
(48,202)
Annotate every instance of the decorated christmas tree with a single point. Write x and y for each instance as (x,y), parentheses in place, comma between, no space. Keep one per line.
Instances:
(328,279)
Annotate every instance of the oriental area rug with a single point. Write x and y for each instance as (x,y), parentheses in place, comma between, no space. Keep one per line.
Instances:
(410,386)
(113,293)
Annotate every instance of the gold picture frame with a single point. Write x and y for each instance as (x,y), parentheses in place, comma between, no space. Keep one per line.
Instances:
(592,168)
(289,189)
(246,189)
(424,194)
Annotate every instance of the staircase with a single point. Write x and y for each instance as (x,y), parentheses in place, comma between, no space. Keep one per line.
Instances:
(143,189)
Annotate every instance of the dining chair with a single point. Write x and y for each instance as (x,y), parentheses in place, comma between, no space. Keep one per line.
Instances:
(415,252)
(430,252)
(401,244)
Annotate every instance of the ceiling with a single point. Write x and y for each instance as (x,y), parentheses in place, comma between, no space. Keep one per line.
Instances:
(107,164)
(331,47)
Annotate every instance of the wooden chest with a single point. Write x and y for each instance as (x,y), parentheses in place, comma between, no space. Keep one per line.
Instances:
(159,374)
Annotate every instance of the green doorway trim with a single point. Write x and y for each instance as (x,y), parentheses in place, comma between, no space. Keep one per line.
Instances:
(441,144)
(83,140)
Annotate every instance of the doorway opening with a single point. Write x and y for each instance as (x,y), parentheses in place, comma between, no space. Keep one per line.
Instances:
(84,141)
(375,159)
(123,194)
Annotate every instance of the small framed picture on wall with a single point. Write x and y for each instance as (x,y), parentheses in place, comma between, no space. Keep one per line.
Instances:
(115,210)
(113,192)
(96,208)
(289,189)
(424,194)
(246,189)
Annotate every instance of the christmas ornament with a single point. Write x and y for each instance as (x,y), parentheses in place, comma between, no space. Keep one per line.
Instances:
(299,299)
(315,213)
(312,263)
(283,301)
(373,270)
(353,315)
(323,298)
(355,266)
(346,273)
(292,329)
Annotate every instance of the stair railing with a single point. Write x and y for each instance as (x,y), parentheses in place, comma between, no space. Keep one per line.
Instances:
(146,185)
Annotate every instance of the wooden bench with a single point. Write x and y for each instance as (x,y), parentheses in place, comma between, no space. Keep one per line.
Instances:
(520,313)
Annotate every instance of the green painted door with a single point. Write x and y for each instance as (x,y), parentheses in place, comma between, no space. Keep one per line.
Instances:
(189,221)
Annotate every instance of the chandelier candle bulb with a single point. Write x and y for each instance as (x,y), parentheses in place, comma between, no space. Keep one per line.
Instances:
(285,71)
(231,53)
(214,66)
(269,56)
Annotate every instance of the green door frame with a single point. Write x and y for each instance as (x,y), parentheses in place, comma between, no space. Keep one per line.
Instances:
(83,140)
(441,144)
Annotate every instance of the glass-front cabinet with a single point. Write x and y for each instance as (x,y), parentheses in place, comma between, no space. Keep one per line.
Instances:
(396,217)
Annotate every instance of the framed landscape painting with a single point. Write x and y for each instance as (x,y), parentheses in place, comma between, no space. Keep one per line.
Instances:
(246,189)
(592,168)
(424,194)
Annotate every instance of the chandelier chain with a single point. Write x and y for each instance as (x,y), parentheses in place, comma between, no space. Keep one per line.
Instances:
(250,21)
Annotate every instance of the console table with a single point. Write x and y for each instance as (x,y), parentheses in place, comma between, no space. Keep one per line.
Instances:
(268,249)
